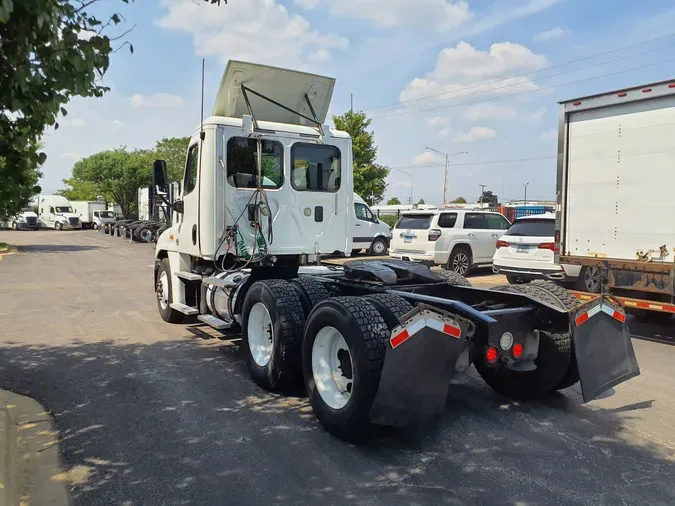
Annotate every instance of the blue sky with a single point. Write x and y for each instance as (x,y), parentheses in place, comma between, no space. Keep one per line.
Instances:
(456,75)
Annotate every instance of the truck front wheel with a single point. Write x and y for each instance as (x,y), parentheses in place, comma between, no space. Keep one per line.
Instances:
(343,353)
(272,333)
(164,294)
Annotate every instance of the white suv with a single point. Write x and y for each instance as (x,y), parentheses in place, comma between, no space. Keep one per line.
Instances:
(457,239)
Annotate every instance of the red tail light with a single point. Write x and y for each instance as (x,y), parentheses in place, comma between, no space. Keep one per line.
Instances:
(517,350)
(556,238)
(547,245)
(434,234)
(491,355)
(502,244)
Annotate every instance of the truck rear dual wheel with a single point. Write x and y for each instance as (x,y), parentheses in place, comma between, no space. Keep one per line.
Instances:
(556,366)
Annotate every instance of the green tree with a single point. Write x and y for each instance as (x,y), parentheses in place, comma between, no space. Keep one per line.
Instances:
(459,200)
(117,175)
(50,51)
(421,201)
(394,201)
(174,151)
(79,190)
(369,177)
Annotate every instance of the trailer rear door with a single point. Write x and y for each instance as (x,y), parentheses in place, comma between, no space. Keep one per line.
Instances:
(620,180)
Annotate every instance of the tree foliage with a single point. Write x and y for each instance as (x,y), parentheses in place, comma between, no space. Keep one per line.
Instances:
(50,51)
(489,198)
(459,200)
(421,201)
(174,151)
(369,177)
(394,201)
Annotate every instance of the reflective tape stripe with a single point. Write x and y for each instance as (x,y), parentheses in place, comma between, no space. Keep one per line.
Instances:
(582,318)
(650,306)
(449,328)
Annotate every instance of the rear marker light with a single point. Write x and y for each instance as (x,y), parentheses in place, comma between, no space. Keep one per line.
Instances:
(518,350)
(646,90)
(671,85)
(491,355)
(576,103)
(622,94)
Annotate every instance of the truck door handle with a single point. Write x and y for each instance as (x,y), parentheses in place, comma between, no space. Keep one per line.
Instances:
(471,234)
(194,234)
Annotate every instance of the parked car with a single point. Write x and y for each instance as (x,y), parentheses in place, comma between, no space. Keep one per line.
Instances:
(457,239)
(369,232)
(526,252)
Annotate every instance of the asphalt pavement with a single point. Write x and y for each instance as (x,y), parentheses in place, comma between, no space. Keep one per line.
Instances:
(151,413)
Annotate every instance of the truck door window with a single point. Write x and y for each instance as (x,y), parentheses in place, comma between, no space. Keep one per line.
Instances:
(242,167)
(497,222)
(363,213)
(447,220)
(191,169)
(51,210)
(315,167)
(476,221)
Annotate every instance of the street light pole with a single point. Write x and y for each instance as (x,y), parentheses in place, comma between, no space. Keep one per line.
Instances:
(412,182)
(525,185)
(447,167)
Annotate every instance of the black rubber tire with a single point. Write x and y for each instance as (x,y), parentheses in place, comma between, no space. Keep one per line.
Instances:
(139,234)
(283,372)
(15,226)
(311,292)
(379,240)
(168,315)
(58,226)
(553,360)
(581,284)
(391,307)
(453,278)
(366,335)
(455,252)
(515,280)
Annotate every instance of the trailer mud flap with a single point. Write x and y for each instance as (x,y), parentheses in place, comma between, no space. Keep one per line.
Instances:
(602,346)
(420,362)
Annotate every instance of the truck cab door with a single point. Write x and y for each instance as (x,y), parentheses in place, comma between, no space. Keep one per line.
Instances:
(187,222)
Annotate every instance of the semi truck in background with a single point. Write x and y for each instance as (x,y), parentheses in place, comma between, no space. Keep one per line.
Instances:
(615,181)
(92,214)
(55,211)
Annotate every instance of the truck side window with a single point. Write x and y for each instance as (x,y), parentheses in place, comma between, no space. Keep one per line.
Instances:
(447,220)
(476,221)
(497,222)
(191,169)
(242,167)
(315,167)
(363,213)
(51,210)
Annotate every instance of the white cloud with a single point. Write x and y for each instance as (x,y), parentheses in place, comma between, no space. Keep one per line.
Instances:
(444,132)
(117,124)
(476,133)
(549,135)
(502,13)
(262,31)
(535,117)
(72,156)
(464,70)
(73,122)
(442,15)
(481,112)
(438,121)
(320,55)
(551,34)
(425,158)
(156,100)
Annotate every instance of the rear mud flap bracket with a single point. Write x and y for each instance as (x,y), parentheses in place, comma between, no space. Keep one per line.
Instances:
(421,358)
(602,346)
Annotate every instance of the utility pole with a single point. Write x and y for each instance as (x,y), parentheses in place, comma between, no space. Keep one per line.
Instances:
(525,185)
(351,102)
(447,167)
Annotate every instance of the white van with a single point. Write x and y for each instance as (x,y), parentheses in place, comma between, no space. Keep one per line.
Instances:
(56,212)
(369,232)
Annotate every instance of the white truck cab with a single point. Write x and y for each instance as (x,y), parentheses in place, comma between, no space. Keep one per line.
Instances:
(369,232)
(102,217)
(25,220)
(88,211)
(56,212)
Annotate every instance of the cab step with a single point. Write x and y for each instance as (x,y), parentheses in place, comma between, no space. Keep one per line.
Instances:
(185,309)
(214,322)
(220,283)
(188,276)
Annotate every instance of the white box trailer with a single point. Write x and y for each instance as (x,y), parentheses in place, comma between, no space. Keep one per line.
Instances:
(616,153)
(92,213)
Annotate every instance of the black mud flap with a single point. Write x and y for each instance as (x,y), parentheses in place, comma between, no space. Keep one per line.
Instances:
(602,345)
(419,364)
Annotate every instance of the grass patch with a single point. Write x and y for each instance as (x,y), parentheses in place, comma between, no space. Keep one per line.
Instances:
(2,245)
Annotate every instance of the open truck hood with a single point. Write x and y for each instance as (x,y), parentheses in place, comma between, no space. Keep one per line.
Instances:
(287,87)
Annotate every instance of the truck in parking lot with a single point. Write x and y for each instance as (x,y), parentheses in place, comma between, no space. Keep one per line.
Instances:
(267,190)
(25,220)
(92,214)
(54,211)
(615,178)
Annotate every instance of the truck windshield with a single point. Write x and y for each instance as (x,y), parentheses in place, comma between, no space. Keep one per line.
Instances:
(415,222)
(63,209)
(315,167)
(532,227)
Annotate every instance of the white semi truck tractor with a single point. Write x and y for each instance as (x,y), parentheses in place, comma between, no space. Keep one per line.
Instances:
(267,190)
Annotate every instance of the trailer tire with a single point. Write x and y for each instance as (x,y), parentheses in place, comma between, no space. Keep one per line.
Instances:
(276,306)
(391,307)
(564,300)
(163,282)
(312,291)
(453,278)
(346,414)
(554,360)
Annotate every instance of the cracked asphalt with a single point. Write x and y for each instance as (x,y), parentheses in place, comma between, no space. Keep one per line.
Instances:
(153,414)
